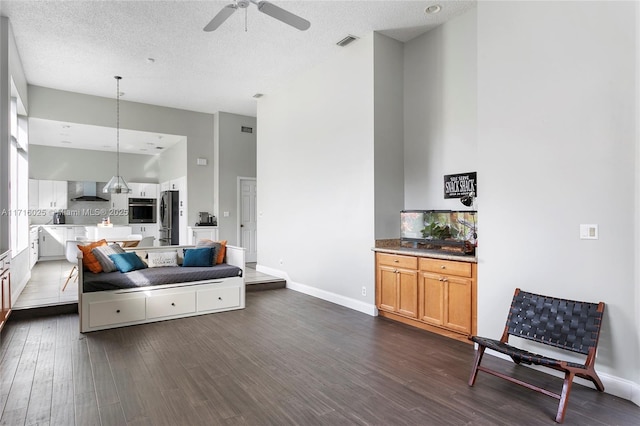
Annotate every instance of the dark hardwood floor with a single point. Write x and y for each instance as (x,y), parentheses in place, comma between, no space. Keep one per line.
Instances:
(286,359)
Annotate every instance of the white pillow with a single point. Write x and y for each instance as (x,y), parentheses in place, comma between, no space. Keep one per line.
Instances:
(165,258)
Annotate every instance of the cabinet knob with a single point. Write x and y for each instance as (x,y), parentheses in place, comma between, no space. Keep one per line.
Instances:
(443,267)
(219,298)
(173,304)
(396,260)
(117,311)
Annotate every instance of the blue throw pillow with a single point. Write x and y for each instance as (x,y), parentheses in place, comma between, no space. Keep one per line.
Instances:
(127,262)
(198,257)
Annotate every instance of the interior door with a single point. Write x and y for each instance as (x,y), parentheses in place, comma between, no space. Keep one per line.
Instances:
(248,218)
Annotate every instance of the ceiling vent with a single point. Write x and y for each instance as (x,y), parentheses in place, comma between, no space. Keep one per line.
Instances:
(347,40)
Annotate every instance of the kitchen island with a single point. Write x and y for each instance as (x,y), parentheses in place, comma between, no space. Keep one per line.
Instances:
(434,290)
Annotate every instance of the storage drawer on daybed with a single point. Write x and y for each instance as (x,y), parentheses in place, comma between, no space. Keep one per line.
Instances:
(171,304)
(116,311)
(218,298)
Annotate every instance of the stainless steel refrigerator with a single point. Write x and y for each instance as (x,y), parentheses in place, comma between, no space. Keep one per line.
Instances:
(169,218)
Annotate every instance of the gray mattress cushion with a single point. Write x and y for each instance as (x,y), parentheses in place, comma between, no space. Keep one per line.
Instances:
(156,276)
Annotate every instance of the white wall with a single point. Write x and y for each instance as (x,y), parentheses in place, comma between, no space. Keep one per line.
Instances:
(46,162)
(440,112)
(388,135)
(557,148)
(236,155)
(315,176)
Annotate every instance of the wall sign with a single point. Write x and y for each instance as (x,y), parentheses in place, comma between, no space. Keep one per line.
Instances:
(461,184)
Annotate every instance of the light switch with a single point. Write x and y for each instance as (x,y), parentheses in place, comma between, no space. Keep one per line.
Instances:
(588,231)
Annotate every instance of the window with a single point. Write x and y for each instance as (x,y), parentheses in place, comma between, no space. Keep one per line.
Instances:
(18,181)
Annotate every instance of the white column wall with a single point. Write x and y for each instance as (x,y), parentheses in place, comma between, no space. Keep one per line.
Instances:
(316,184)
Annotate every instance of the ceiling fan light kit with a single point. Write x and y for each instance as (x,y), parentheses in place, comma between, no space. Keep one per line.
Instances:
(265,7)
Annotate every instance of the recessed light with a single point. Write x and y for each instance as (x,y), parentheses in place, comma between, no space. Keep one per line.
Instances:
(433,9)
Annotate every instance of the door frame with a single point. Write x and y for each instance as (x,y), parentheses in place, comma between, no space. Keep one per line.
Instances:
(239,209)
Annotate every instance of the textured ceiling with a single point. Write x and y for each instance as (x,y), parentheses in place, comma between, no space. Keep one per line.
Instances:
(79,46)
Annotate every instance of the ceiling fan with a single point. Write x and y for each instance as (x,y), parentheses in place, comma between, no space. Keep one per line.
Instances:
(264,7)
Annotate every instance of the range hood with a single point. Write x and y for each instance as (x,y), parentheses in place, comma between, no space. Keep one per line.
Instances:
(87,192)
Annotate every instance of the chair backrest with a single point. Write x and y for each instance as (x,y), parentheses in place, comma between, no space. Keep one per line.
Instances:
(566,324)
(71,250)
(146,241)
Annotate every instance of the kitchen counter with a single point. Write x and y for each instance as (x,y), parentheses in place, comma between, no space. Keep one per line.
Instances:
(394,247)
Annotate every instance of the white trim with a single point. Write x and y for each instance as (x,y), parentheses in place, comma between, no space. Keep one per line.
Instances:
(613,385)
(338,299)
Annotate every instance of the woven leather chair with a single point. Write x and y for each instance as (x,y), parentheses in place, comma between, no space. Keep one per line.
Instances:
(562,323)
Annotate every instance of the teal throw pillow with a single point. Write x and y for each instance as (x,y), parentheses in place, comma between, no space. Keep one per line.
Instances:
(127,262)
(198,256)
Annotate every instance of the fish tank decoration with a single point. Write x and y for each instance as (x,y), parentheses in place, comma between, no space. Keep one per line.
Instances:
(439,229)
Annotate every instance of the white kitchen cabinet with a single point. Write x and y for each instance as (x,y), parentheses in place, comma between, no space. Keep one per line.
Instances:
(197,233)
(52,241)
(34,194)
(52,194)
(120,201)
(34,245)
(145,229)
(143,190)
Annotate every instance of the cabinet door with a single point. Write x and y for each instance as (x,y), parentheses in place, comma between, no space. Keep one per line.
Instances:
(432,299)
(458,304)
(52,241)
(387,288)
(120,201)
(34,194)
(59,194)
(407,293)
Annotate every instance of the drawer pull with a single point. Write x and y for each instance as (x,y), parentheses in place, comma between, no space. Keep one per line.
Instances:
(443,267)
(396,260)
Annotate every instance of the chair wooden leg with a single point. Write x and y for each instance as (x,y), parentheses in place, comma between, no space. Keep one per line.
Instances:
(564,397)
(476,363)
(69,277)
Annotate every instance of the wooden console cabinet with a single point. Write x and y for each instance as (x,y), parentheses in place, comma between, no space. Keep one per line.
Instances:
(433,294)
(5,288)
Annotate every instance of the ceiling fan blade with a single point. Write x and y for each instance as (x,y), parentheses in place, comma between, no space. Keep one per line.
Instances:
(221,17)
(284,16)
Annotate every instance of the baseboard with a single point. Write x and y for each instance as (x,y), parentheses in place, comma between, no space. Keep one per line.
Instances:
(338,299)
(613,385)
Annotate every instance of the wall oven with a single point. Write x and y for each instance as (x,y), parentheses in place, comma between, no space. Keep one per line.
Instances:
(142,210)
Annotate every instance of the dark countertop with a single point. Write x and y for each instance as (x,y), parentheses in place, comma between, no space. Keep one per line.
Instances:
(434,254)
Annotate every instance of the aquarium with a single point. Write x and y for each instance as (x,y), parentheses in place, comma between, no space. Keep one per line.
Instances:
(438,227)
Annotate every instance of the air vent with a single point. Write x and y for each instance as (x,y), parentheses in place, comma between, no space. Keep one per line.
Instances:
(246,129)
(347,40)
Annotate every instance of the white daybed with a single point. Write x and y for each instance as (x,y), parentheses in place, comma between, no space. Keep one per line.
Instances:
(104,309)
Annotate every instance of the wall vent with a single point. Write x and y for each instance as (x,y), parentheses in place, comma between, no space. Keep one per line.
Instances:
(347,40)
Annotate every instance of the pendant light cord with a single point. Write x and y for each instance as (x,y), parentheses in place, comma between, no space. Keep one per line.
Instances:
(118,78)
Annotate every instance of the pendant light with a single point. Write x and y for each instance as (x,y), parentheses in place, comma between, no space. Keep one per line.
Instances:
(117,184)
